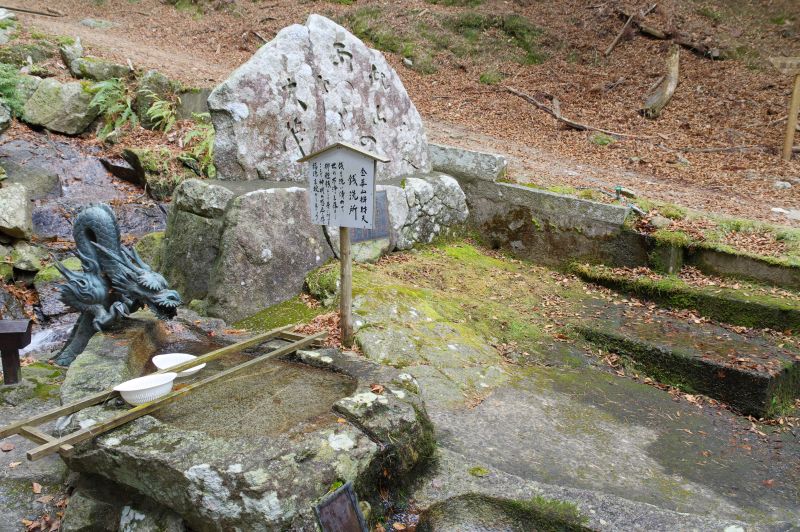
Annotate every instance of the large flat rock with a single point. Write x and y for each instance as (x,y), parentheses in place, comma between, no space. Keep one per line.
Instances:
(311,86)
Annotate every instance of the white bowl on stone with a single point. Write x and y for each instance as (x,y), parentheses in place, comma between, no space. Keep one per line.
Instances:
(170,360)
(145,389)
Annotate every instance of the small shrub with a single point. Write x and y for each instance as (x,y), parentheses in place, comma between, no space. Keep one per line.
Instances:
(199,144)
(162,113)
(115,102)
(491,77)
(9,80)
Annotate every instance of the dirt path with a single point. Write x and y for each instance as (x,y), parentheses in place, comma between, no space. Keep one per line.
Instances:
(203,50)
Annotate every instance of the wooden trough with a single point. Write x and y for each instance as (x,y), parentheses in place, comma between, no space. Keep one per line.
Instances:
(49,444)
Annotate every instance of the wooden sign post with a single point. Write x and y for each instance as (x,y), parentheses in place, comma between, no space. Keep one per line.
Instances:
(791,67)
(341,192)
(14,335)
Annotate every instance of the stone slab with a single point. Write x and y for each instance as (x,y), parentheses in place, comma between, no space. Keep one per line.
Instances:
(753,374)
(465,163)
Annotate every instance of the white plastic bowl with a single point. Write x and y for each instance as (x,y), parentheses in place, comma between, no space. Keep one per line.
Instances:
(170,360)
(145,389)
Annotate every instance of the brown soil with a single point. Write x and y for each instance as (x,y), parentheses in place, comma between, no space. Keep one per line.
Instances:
(718,103)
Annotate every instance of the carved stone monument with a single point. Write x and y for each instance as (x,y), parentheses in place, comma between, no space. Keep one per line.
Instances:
(114,282)
(311,86)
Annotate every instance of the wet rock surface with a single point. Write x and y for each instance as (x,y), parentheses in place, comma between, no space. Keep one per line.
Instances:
(64,180)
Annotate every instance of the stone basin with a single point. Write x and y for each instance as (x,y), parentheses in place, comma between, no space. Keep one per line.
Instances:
(261,402)
(255,451)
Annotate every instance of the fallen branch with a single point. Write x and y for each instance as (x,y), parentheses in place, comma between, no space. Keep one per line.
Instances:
(263,39)
(725,149)
(682,39)
(618,37)
(564,120)
(661,96)
(616,40)
(31,11)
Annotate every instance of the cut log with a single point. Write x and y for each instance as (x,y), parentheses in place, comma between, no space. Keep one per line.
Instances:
(661,96)
(694,45)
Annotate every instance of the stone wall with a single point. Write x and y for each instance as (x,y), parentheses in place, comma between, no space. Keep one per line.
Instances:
(536,224)
(244,246)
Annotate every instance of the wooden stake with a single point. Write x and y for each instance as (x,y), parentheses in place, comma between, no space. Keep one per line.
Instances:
(346,304)
(11,365)
(791,122)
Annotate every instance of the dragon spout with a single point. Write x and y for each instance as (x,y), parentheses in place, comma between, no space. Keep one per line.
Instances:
(115,281)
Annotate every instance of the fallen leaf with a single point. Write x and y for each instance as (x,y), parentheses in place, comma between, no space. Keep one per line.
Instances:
(399,526)
(376,388)
(37,488)
(55,526)
(341,420)
(12,465)
(7,446)
(768,483)
(45,499)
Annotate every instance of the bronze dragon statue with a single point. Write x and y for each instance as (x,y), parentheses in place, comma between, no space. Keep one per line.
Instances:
(114,282)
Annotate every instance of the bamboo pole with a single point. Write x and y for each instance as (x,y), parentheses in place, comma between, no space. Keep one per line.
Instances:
(100,397)
(346,300)
(138,411)
(791,121)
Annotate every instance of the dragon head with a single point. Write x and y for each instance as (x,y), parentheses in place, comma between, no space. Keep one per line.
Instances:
(82,289)
(137,281)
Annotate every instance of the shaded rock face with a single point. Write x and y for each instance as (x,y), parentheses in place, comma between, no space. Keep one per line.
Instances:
(5,117)
(60,107)
(268,245)
(218,469)
(311,86)
(247,246)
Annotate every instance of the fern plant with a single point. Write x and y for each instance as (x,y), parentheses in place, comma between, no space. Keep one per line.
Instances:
(115,102)
(162,113)
(199,144)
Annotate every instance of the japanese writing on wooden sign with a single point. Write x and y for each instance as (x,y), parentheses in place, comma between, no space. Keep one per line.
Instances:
(341,186)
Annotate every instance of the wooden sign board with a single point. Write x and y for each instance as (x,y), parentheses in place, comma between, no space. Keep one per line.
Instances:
(341,186)
(339,512)
(786,65)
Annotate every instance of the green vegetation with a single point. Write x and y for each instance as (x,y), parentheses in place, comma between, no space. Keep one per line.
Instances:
(781,19)
(366,24)
(601,139)
(492,77)
(199,144)
(7,23)
(710,13)
(516,28)
(115,102)
(9,81)
(162,113)
(478,471)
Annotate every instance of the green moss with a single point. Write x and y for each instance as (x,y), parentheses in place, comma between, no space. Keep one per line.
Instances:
(749,308)
(601,139)
(566,190)
(478,471)
(672,211)
(63,40)
(546,514)
(323,283)
(456,3)
(50,273)
(710,13)
(7,23)
(149,248)
(672,238)
(286,313)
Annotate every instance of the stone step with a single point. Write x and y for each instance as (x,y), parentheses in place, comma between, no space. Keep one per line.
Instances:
(750,305)
(751,372)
